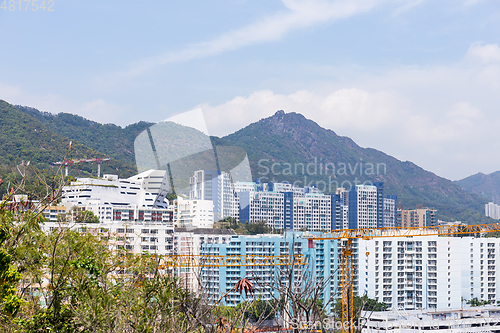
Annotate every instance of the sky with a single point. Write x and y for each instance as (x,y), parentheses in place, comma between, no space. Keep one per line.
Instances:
(416,79)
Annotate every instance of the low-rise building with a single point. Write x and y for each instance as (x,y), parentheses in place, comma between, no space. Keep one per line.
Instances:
(459,320)
(54,213)
(420,217)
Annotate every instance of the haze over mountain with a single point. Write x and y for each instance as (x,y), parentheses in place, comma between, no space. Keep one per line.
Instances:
(289,147)
(487,186)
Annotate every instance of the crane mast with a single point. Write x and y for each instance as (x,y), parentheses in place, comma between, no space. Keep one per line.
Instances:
(66,163)
(346,236)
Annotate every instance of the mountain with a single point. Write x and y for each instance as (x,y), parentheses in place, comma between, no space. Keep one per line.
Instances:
(109,139)
(24,138)
(487,186)
(291,143)
(289,147)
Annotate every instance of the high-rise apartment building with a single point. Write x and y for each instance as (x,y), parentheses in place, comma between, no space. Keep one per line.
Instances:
(322,266)
(429,272)
(194,213)
(492,210)
(366,206)
(420,217)
(390,211)
(216,186)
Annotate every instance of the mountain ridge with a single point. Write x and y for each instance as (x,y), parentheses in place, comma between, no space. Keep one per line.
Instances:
(23,138)
(485,185)
(292,138)
(91,133)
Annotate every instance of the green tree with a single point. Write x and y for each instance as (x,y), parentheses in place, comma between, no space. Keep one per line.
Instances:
(83,216)
(475,302)
(257,228)
(359,304)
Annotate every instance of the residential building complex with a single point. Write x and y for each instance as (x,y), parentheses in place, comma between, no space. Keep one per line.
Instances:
(267,280)
(429,272)
(420,217)
(492,210)
(424,272)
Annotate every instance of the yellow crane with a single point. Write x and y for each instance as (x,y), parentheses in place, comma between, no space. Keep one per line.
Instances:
(189,260)
(348,235)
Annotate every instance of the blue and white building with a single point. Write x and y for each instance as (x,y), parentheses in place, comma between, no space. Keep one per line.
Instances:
(323,261)
(284,206)
(215,185)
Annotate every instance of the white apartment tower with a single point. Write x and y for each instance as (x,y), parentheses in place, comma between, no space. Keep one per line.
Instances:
(215,186)
(492,210)
(389,212)
(429,272)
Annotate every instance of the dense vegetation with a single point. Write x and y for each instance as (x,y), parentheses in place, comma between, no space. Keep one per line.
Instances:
(24,139)
(109,139)
(257,228)
(282,138)
(487,186)
(291,138)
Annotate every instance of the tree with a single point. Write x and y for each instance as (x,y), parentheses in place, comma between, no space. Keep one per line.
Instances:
(257,228)
(83,216)
(475,302)
(359,304)
(298,293)
(10,302)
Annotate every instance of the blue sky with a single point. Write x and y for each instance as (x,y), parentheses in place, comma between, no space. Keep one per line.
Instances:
(417,79)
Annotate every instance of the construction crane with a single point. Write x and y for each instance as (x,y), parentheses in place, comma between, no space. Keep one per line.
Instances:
(348,235)
(66,163)
(189,260)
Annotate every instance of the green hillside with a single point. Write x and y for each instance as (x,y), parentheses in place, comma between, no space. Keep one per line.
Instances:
(487,186)
(109,139)
(24,138)
(289,139)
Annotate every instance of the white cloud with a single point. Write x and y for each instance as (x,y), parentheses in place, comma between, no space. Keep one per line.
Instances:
(344,109)
(407,6)
(359,109)
(299,14)
(99,110)
(487,54)
(437,116)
